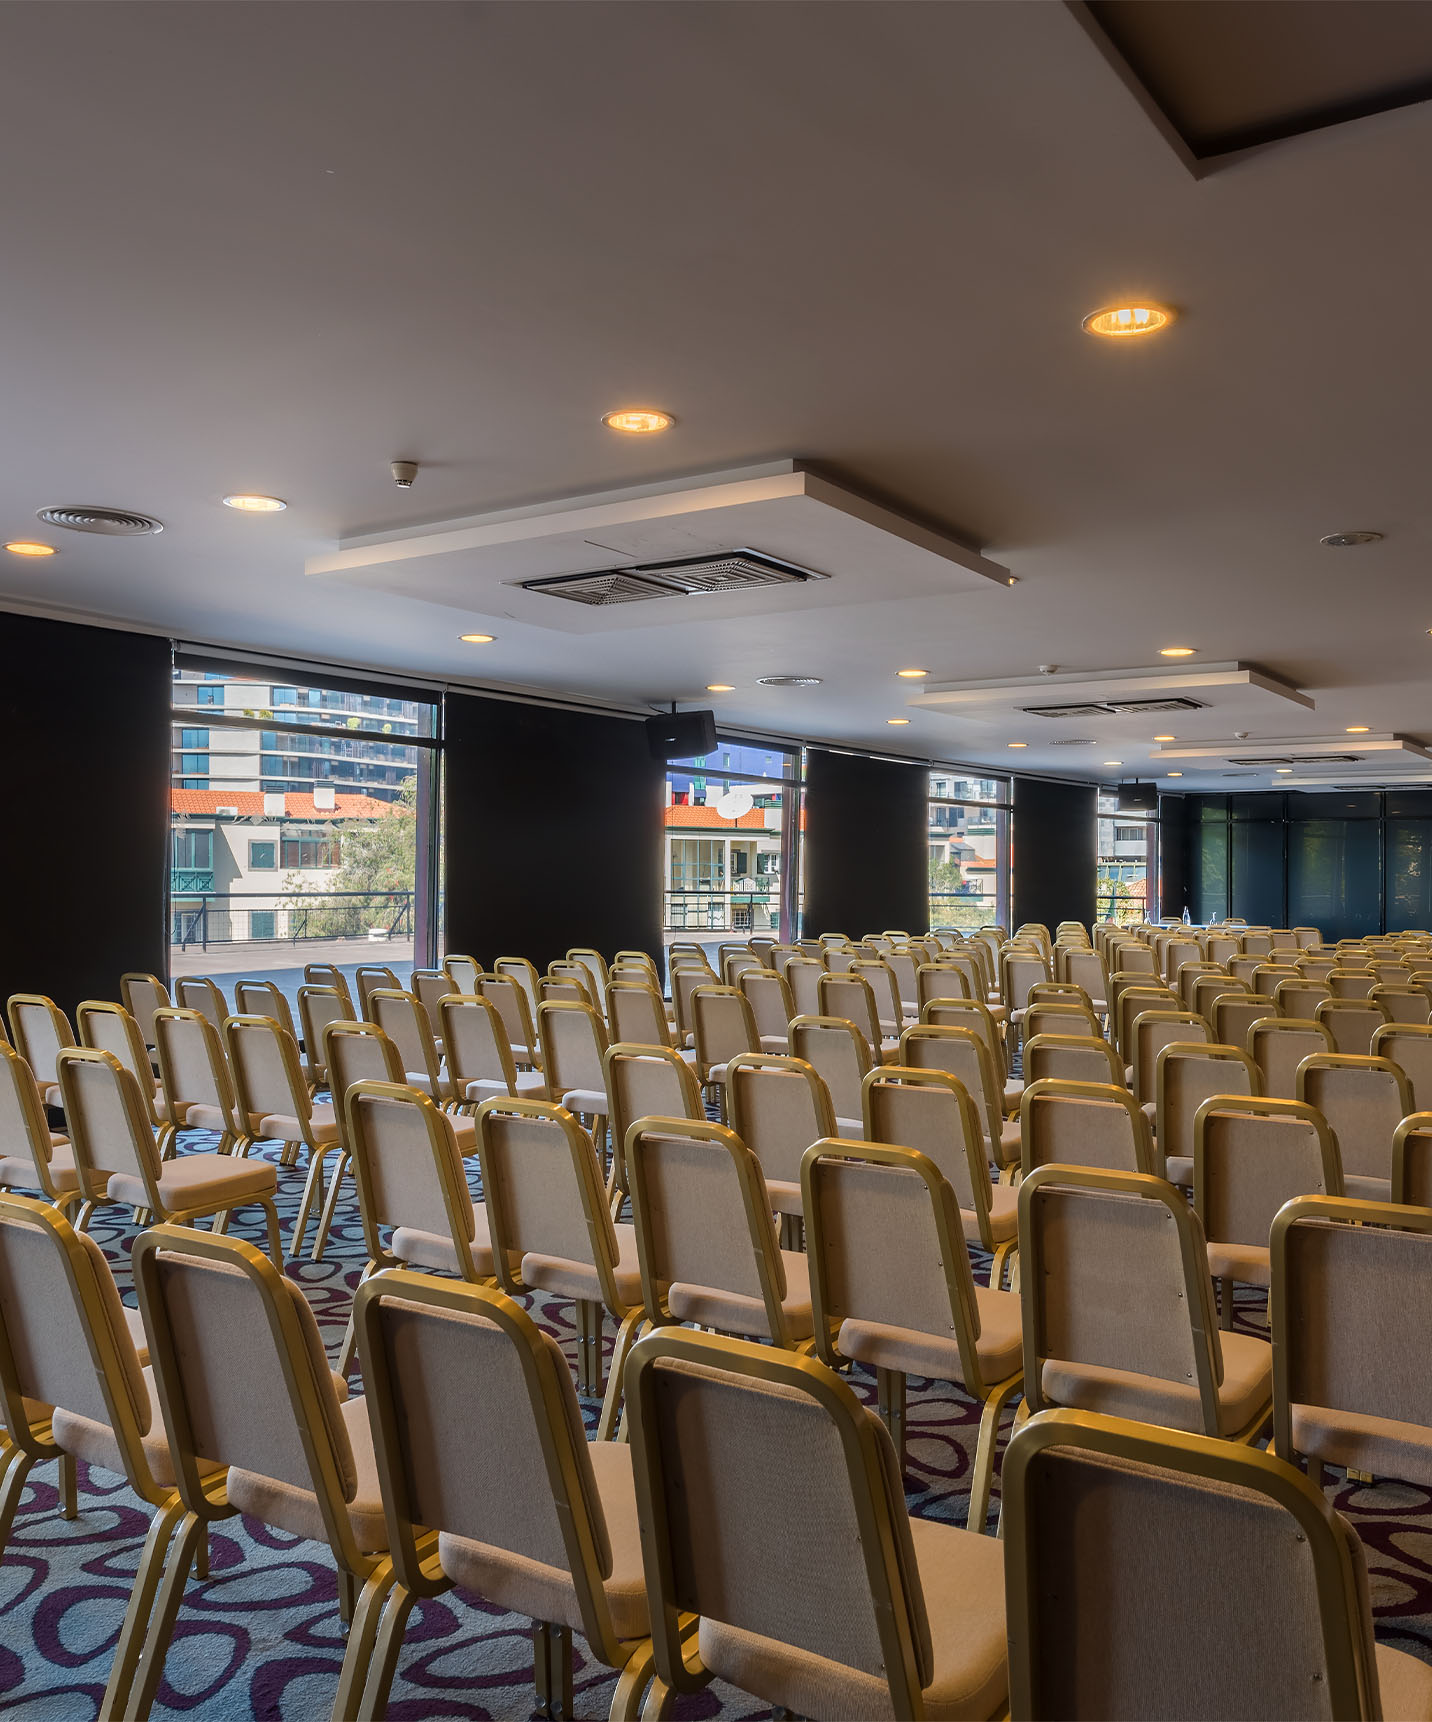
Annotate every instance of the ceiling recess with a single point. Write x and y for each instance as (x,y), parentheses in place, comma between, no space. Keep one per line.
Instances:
(1299,759)
(1116,708)
(687,577)
(107,522)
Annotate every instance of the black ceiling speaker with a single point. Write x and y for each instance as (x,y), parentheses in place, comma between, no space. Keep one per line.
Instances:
(1138,798)
(681,735)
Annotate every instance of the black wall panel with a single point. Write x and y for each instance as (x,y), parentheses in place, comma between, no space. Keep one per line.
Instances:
(1054,851)
(866,834)
(1409,874)
(553,832)
(1175,891)
(86,722)
(1335,876)
(1257,872)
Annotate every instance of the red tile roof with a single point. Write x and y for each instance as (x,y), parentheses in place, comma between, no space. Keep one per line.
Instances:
(708,819)
(297,805)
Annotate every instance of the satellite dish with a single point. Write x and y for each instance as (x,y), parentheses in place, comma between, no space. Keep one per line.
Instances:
(734,803)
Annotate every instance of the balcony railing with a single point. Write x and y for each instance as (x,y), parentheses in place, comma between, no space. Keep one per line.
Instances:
(274,917)
(963,909)
(753,908)
(186,881)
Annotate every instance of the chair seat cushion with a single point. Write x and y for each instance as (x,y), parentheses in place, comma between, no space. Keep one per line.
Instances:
(1013,1093)
(1406,1685)
(195,1181)
(563,1278)
(524,1586)
(785,1196)
(531,1085)
(881,1345)
(1003,1216)
(1365,1189)
(853,1128)
(17,1171)
(464,1129)
(196,1115)
(962,1576)
(586,1100)
(1383,1446)
(777,1043)
(1247,1389)
(1006,1152)
(285,1127)
(436,1250)
(1248,1263)
(733,1312)
(1178,1169)
(94,1442)
(296,1511)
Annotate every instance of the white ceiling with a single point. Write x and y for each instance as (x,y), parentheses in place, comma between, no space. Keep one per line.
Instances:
(275,246)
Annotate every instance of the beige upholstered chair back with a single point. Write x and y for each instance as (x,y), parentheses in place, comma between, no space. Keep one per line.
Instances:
(1084,1124)
(1021,970)
(803,976)
(685,978)
(403,1019)
(596,966)
(1409,1046)
(735,963)
(1058,1016)
(524,977)
(142,996)
(1133,1001)
(1151,1316)
(728,1436)
(1187,1074)
(200,993)
(263,998)
(1234,1013)
(1243,969)
(24,1134)
(573,1046)
(1315,967)
(48,1274)
(1203,1533)
(1220,947)
(1278,1045)
(1176,953)
(889,1008)
(108,1121)
(406,1161)
(430,987)
(970,1014)
(647,1081)
(1149,1033)
(850,996)
(1257,944)
(192,1064)
(838,1053)
(568,980)
(110,1028)
(771,1005)
(463,973)
(474,1042)
(905,961)
(1071,1058)
(1363,1101)
(722,1025)
(964,1055)
(357,1052)
(778,1106)
(936,1115)
(370,977)
(1350,983)
(327,975)
(1391,974)
(1086,969)
(1404,1003)
(839,959)
(635,1013)
(1300,997)
(1134,958)
(317,1007)
(945,980)
(39,1030)
(1250,1157)
(542,1184)
(1268,977)
(506,992)
(267,1075)
(1352,1022)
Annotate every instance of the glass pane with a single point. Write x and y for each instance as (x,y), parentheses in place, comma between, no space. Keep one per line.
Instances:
(1127,861)
(265,701)
(1335,876)
(1257,871)
(969,849)
(1210,871)
(726,843)
(1409,874)
(947,785)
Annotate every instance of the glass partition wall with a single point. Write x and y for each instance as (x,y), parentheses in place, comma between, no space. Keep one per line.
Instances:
(1128,864)
(303,827)
(969,849)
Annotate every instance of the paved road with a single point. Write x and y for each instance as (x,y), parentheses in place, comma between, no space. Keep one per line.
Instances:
(282,963)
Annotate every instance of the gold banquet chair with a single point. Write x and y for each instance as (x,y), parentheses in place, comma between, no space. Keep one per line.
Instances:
(1084,1124)
(892,1289)
(1150,1573)
(778,1106)
(196,1085)
(1187,1074)
(1364,1100)
(641,1080)
(32,1156)
(141,996)
(478,1054)
(964,1054)
(317,1007)
(1071,1058)
(489,1482)
(869,1613)
(40,1031)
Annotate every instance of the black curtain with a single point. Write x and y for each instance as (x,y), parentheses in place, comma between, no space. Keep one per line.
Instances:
(86,723)
(867,845)
(1174,895)
(1055,851)
(552,832)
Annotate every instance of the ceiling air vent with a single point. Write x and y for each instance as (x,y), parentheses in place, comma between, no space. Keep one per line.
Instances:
(1238,774)
(690,577)
(1301,759)
(1084,709)
(1075,741)
(1147,708)
(789,681)
(109,522)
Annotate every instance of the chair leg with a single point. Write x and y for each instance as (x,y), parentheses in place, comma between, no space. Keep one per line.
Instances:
(161,1621)
(350,1335)
(69,1487)
(1001,1261)
(15,1467)
(347,1594)
(589,1346)
(626,1700)
(312,1193)
(330,1207)
(358,1654)
(611,1404)
(660,1701)
(552,1668)
(219,1225)
(890,1393)
(982,1473)
(136,1615)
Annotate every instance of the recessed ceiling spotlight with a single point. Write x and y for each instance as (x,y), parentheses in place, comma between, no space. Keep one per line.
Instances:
(477,639)
(1113,762)
(638,421)
(1358,729)
(912,675)
(788,681)
(1349,540)
(1177,651)
(1122,321)
(29,547)
(1175,774)
(1165,738)
(1019,744)
(897,720)
(720,688)
(1284,771)
(254,504)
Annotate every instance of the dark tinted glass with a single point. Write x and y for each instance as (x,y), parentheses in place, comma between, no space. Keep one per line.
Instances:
(1409,873)
(1264,805)
(1333,804)
(1335,876)
(1257,871)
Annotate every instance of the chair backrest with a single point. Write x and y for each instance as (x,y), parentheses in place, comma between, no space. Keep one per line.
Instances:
(430,987)
(1206,1532)
(1252,1155)
(1087,969)
(1278,1045)
(905,961)
(596,966)
(39,1030)
(1412,1160)
(1133,957)
(1300,997)
(964,1055)
(508,994)
(370,977)
(193,1068)
(1204,986)
(108,1123)
(1133,1001)
(1190,974)
(727,1435)
(1258,943)
(477,1433)
(945,980)
(849,995)
(544,1193)
(889,1007)
(778,1106)
(1019,971)
(110,1028)
(268,1078)
(1152,1031)
(1084,1124)
(203,994)
(1404,1003)
(571,982)
(703,1223)
(1186,1074)
(1363,1099)
(357,1052)
(574,1043)
(1220,947)
(771,1004)
(1072,1058)
(1243,968)
(1234,1014)
(1151,1315)
(635,1012)
(1054,1016)
(402,1017)
(838,1053)
(1409,1046)
(735,963)
(327,975)
(142,996)
(1352,1022)
(1350,983)
(649,1081)
(408,1169)
(23,1130)
(463,973)
(263,998)
(1177,952)
(317,1007)
(722,1025)
(524,976)
(972,1014)
(1268,977)
(933,1113)
(685,978)
(475,1044)
(1315,966)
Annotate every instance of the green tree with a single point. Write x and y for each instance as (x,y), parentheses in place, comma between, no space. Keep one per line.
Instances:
(378,859)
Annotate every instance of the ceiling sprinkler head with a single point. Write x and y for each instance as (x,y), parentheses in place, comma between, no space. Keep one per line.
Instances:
(1049,669)
(404,472)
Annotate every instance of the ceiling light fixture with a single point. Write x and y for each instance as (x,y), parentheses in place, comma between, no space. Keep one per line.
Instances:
(912,675)
(638,421)
(1121,321)
(1175,774)
(1284,771)
(477,639)
(897,720)
(1358,729)
(1177,651)
(1350,540)
(29,547)
(1113,762)
(247,503)
(720,688)
(1019,744)
(1165,738)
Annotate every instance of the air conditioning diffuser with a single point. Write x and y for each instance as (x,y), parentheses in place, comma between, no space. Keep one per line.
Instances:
(688,577)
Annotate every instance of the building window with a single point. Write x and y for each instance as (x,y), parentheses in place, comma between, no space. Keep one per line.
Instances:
(191,762)
(968,839)
(193,849)
(1126,876)
(730,844)
(193,738)
(206,694)
(262,855)
(311,852)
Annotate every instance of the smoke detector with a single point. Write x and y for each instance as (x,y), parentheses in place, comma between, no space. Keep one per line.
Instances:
(1348,540)
(108,522)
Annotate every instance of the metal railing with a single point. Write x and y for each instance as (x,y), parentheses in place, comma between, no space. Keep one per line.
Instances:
(1122,910)
(233,917)
(963,909)
(745,909)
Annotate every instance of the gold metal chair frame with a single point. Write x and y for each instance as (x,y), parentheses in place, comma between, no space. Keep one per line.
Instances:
(1108,1094)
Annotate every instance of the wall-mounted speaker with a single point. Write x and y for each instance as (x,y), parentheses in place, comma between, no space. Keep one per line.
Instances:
(681,735)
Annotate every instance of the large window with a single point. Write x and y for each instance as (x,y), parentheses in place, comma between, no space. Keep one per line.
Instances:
(969,849)
(1128,864)
(730,839)
(304,831)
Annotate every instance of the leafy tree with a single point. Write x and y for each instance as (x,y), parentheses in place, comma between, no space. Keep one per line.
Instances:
(378,859)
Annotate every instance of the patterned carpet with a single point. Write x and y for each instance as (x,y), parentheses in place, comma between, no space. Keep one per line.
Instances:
(261,1637)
